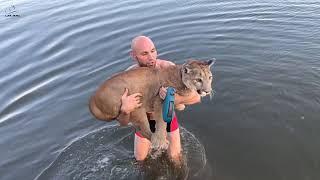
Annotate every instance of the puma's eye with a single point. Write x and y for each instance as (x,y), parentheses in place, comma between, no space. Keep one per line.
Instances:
(210,77)
(199,80)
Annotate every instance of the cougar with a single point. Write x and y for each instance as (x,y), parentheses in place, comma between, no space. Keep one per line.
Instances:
(105,104)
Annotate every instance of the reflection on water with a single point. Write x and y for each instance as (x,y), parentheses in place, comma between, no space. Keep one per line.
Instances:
(263,122)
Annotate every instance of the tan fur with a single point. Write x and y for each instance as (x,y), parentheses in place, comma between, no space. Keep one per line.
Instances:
(106,102)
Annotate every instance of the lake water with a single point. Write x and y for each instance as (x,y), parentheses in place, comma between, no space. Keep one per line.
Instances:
(263,122)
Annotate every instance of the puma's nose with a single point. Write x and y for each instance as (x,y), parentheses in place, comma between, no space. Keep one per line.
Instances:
(208,91)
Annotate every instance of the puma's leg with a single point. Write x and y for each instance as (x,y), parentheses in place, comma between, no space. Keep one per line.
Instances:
(158,139)
(140,119)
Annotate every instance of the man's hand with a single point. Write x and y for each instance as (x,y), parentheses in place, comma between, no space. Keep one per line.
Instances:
(131,102)
(180,107)
(163,92)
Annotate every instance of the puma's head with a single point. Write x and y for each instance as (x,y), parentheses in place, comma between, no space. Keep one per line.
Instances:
(196,75)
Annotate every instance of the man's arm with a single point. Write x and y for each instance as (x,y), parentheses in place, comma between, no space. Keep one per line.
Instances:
(128,103)
(181,101)
(191,98)
(123,118)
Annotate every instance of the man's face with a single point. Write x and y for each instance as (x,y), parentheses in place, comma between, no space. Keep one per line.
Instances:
(145,53)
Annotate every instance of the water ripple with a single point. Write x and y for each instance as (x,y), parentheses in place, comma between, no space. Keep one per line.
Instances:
(266,76)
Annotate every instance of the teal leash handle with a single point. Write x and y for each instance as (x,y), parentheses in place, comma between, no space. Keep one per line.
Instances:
(168,105)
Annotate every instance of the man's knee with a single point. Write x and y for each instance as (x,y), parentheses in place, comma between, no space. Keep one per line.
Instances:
(174,149)
(141,148)
(139,157)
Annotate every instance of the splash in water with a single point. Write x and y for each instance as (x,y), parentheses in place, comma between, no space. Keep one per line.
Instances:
(108,154)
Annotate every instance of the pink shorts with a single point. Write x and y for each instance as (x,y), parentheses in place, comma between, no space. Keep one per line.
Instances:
(172,126)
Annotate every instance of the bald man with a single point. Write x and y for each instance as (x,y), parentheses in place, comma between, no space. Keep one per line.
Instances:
(144,53)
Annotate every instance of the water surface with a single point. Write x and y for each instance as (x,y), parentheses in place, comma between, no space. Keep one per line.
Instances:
(263,122)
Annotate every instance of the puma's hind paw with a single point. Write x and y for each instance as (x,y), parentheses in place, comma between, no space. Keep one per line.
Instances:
(159,141)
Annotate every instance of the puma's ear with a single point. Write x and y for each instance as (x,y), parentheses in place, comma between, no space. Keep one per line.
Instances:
(211,62)
(186,68)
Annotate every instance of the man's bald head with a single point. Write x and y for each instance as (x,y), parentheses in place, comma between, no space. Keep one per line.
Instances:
(143,51)
(140,41)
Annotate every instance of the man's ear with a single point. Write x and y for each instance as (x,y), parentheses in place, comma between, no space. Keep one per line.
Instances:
(133,55)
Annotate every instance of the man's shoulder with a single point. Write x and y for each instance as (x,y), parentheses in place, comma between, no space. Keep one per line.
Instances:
(160,64)
(132,67)
(165,63)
